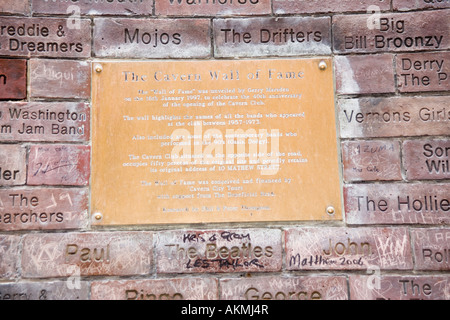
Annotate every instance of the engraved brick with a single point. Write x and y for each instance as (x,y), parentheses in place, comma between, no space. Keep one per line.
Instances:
(72,289)
(301,6)
(259,37)
(155,38)
(431,248)
(364,74)
(282,288)
(397,203)
(162,289)
(405,5)
(13,79)
(423,72)
(59,165)
(60,79)
(14,6)
(89,7)
(411,287)
(212,8)
(394,32)
(13,165)
(90,254)
(348,249)
(10,255)
(37,208)
(394,117)
(44,37)
(244,250)
(371,160)
(44,121)
(426,159)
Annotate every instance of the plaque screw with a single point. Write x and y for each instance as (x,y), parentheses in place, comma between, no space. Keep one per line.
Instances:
(323,65)
(98,68)
(331,210)
(98,216)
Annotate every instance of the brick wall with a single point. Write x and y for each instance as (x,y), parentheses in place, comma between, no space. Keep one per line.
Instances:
(392,78)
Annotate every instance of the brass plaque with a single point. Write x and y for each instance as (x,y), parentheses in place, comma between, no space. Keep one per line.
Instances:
(214,141)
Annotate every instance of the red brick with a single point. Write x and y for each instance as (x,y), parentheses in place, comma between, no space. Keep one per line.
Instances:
(31,209)
(13,165)
(423,72)
(14,6)
(136,38)
(427,159)
(60,79)
(253,37)
(243,250)
(394,117)
(10,255)
(364,74)
(59,165)
(405,5)
(54,290)
(212,8)
(53,39)
(283,288)
(347,249)
(110,7)
(431,248)
(162,289)
(396,32)
(397,203)
(99,253)
(411,287)
(371,160)
(314,6)
(13,79)
(45,121)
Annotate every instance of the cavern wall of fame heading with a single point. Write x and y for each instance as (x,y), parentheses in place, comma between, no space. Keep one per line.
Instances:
(214,141)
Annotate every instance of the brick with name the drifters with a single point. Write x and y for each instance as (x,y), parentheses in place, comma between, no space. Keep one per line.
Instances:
(410,287)
(392,32)
(10,256)
(44,37)
(90,7)
(397,203)
(152,38)
(427,159)
(431,248)
(13,79)
(406,5)
(259,37)
(43,209)
(348,249)
(316,6)
(212,7)
(13,165)
(45,121)
(418,72)
(242,250)
(284,288)
(67,165)
(394,117)
(156,289)
(72,289)
(90,254)
(14,6)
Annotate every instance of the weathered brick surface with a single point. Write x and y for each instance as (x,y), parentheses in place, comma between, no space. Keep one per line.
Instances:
(371,160)
(249,250)
(397,203)
(152,38)
(110,7)
(163,289)
(348,249)
(13,79)
(411,287)
(423,72)
(364,74)
(59,165)
(426,159)
(10,256)
(13,165)
(72,289)
(60,79)
(272,36)
(394,117)
(302,7)
(38,208)
(431,248)
(45,121)
(88,254)
(212,8)
(405,5)
(14,6)
(280,288)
